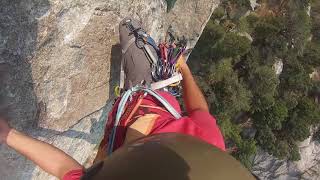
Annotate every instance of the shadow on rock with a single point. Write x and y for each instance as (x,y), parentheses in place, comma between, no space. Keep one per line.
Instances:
(115,64)
(18,40)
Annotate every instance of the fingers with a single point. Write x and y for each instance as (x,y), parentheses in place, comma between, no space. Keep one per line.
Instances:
(181,63)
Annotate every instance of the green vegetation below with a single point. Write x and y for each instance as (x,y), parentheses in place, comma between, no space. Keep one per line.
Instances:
(234,61)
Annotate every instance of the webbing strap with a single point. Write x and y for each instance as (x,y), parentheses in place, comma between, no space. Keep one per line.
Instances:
(122,74)
(152,43)
(164,83)
(121,109)
(150,54)
(124,50)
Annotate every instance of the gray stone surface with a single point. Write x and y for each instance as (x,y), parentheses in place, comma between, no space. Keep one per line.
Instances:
(59,63)
(268,167)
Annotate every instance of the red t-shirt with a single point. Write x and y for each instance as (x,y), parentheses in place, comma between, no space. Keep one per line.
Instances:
(199,124)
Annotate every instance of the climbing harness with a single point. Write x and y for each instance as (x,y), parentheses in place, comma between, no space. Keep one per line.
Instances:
(127,96)
(164,71)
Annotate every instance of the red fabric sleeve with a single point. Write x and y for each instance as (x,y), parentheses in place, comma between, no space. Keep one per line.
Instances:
(73,175)
(209,125)
(203,118)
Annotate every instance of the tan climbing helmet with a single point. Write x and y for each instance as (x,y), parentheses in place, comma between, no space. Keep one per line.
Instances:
(168,156)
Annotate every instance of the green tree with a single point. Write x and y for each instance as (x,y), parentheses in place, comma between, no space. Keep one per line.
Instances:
(226,94)
(272,117)
(212,34)
(220,70)
(241,3)
(237,75)
(291,99)
(315,15)
(315,91)
(264,29)
(299,130)
(294,153)
(246,149)
(308,110)
(266,139)
(298,25)
(231,96)
(294,77)
(252,19)
(269,38)
(311,56)
(233,45)
(229,130)
(218,13)
(305,114)
(282,149)
(263,82)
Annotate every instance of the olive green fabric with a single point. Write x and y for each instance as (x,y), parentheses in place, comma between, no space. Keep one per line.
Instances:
(135,62)
(169,156)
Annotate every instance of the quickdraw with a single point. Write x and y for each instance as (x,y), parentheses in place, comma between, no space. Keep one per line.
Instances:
(166,67)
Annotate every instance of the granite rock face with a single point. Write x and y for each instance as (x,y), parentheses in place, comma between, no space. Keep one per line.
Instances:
(268,167)
(59,63)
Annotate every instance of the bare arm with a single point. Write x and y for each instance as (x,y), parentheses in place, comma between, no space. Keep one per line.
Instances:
(49,158)
(192,95)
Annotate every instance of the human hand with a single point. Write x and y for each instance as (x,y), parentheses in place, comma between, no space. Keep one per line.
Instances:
(4,130)
(181,63)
